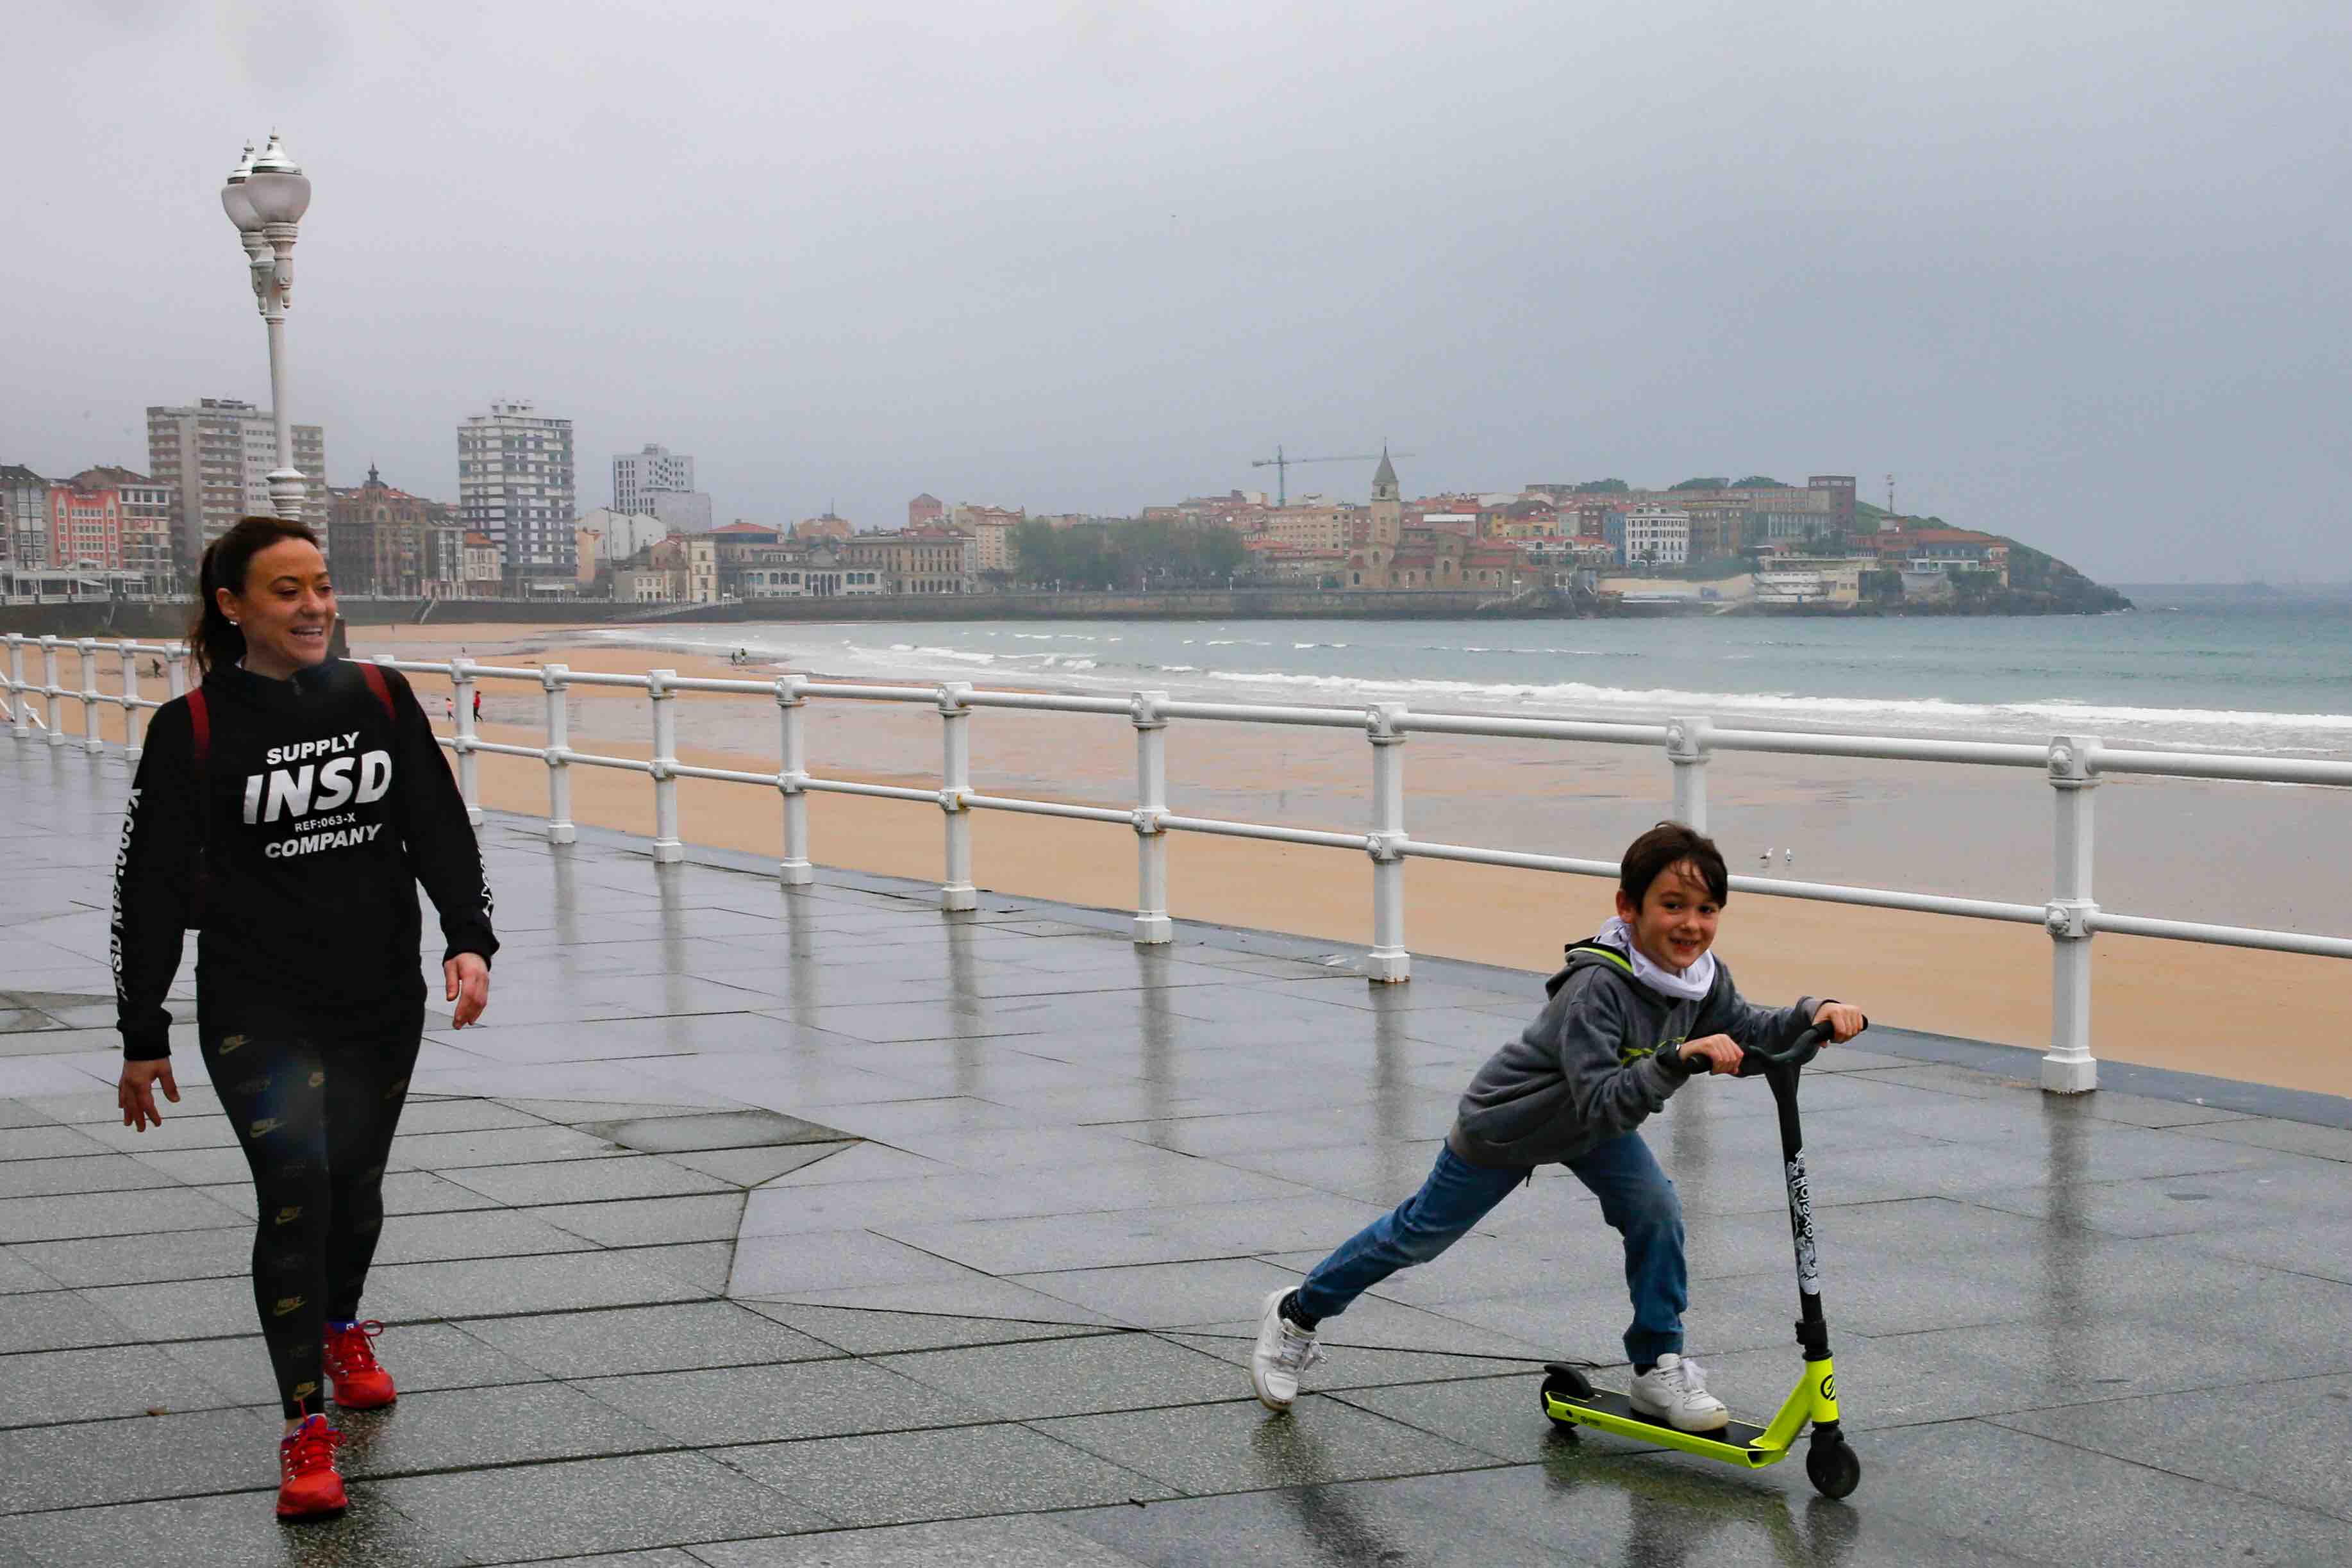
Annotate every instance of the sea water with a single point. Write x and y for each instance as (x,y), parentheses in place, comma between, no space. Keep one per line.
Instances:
(2251,675)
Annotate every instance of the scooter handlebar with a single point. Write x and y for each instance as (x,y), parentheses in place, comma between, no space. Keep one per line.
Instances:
(1795,1054)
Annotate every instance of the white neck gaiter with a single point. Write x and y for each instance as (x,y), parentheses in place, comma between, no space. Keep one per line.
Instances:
(1692,984)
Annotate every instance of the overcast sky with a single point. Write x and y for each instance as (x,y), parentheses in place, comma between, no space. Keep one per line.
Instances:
(2076,273)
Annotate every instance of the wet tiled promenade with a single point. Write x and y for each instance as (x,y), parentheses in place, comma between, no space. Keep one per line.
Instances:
(759,1229)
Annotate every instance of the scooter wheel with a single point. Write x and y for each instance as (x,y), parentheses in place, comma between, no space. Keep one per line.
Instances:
(1834,1469)
(1563,1385)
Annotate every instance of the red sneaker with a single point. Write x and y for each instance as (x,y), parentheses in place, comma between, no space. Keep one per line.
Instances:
(308,1485)
(358,1382)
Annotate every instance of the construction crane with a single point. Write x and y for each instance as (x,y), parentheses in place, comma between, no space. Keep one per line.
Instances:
(1282,464)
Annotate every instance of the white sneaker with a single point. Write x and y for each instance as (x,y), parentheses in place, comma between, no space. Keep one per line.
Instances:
(1283,1351)
(1675,1390)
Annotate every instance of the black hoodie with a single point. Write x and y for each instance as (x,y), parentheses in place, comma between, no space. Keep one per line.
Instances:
(322,812)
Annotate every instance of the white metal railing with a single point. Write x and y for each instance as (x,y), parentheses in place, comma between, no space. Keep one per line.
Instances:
(2073,765)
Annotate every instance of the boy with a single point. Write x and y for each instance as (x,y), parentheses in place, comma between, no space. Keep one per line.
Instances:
(1636,1011)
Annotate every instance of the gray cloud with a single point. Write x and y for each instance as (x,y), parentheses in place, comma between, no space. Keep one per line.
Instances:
(2076,274)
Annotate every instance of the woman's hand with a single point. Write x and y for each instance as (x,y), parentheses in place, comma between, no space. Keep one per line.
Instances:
(1844,1022)
(136,1092)
(469,985)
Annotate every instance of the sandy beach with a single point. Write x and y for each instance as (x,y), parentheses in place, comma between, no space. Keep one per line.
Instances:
(2267,1017)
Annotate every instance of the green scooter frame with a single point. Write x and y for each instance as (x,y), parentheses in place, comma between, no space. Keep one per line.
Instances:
(1571,1399)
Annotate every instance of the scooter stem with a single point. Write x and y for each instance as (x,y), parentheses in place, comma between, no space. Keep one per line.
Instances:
(1812,1330)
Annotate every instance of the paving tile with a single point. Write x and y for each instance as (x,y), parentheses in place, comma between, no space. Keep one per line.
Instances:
(647,1222)
(794,1399)
(1071,1376)
(647,1339)
(464,1428)
(421,1115)
(968,1294)
(17,1273)
(61,1320)
(749,1167)
(826,1261)
(45,1388)
(558,1282)
(2284,1440)
(128,1261)
(168,1208)
(1239,1446)
(1360,1366)
(709,1130)
(1022,1543)
(2291,1137)
(137,1458)
(420,1356)
(2002,1488)
(901,1477)
(1496,1414)
(704,1264)
(477,1233)
(240,1530)
(497,1146)
(46,1141)
(88,1173)
(577,1181)
(1163,1295)
(876,1331)
(584,1506)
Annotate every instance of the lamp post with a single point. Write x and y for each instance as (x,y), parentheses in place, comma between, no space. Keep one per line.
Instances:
(266,197)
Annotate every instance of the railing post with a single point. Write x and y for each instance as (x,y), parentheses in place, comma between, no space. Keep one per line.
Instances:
(131,747)
(86,668)
(792,782)
(461,705)
(175,669)
(553,679)
(1152,925)
(1688,749)
(2069,1068)
(50,690)
(20,714)
(956,892)
(1389,960)
(667,850)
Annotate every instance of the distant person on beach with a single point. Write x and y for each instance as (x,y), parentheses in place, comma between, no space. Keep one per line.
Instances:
(1636,1011)
(285,811)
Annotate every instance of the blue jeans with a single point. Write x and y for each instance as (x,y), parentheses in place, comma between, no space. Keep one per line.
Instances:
(1636,1198)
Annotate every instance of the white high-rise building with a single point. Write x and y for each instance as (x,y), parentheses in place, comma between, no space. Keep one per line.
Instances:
(516,488)
(635,475)
(218,453)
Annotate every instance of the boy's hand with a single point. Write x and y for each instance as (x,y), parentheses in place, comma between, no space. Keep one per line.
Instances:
(1844,1022)
(1721,1054)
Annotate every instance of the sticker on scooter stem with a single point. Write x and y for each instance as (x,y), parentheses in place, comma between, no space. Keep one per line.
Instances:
(1829,1388)
(1800,1224)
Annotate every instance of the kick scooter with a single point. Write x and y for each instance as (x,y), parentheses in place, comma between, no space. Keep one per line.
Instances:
(1571,1399)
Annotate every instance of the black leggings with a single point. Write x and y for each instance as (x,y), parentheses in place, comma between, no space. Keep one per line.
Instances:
(315,1117)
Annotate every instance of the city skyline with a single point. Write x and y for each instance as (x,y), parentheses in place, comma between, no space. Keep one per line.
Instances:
(2053,273)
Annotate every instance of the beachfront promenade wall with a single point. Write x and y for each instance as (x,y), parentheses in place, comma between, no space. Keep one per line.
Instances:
(103,618)
(41,710)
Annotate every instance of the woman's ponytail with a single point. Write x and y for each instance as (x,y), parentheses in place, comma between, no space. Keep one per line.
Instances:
(214,640)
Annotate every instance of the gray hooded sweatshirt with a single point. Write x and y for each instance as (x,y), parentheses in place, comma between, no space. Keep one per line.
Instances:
(1587,1069)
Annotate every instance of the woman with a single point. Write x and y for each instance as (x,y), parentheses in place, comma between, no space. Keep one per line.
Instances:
(286,810)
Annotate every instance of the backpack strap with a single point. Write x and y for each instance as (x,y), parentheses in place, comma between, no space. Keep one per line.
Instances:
(200,734)
(199,721)
(374,673)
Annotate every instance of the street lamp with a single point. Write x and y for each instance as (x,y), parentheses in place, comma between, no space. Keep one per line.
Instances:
(266,197)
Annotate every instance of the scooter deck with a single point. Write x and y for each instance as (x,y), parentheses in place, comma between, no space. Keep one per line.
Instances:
(1612,1412)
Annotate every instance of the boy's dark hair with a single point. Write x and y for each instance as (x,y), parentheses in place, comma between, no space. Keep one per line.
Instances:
(1667,845)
